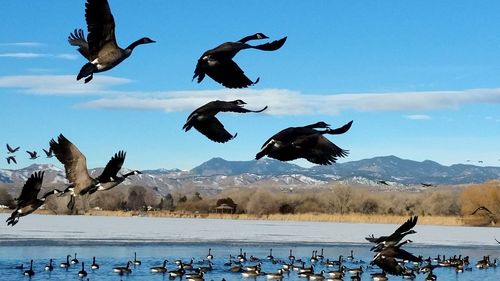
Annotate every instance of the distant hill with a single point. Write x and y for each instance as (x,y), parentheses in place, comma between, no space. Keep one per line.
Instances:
(216,174)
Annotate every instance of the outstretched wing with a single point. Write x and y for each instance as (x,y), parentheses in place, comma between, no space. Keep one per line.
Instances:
(77,38)
(100,25)
(214,130)
(319,150)
(229,74)
(31,188)
(408,225)
(73,160)
(113,167)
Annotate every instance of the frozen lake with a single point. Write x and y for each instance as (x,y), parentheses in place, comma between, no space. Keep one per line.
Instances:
(113,240)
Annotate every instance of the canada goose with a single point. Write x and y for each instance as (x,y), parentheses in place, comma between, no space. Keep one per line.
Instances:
(339,273)
(386,259)
(197,275)
(108,178)
(94,265)
(351,256)
(356,277)
(177,272)
(291,256)
(28,202)
(11,150)
(65,264)
(379,276)
(250,273)
(355,270)
(426,184)
(160,269)
(317,276)
(320,256)
(270,256)
(136,261)
(49,153)
(82,273)
(218,62)
(275,275)
(481,208)
(33,154)
(74,260)
(305,142)
(314,257)
(210,256)
(49,267)
(382,182)
(206,269)
(431,276)
(30,271)
(10,159)
(203,119)
(397,235)
(100,48)
(409,274)
(123,269)
(253,267)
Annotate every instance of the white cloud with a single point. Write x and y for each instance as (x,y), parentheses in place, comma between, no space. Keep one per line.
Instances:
(23,44)
(61,84)
(31,55)
(418,117)
(286,102)
(280,101)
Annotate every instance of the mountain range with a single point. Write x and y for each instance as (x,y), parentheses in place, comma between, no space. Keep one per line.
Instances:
(216,174)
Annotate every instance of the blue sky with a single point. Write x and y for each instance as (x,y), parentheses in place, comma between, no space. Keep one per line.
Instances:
(420,79)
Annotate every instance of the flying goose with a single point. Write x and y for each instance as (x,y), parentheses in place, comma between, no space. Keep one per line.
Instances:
(28,201)
(397,235)
(30,271)
(109,178)
(11,159)
(33,154)
(305,142)
(100,48)
(218,62)
(387,259)
(203,119)
(11,150)
(49,153)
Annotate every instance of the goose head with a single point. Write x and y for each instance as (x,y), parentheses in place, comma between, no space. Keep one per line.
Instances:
(239,102)
(260,36)
(320,124)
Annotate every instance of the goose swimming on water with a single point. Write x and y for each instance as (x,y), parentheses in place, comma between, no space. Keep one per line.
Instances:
(28,201)
(30,271)
(218,62)
(203,119)
(100,48)
(305,142)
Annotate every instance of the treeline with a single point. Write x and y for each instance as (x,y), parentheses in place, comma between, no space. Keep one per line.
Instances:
(338,199)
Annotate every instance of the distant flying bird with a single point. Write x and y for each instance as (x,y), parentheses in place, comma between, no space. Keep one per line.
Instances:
(497,240)
(482,208)
(218,62)
(382,182)
(426,184)
(100,48)
(11,159)
(11,150)
(28,202)
(203,119)
(305,142)
(33,154)
(49,153)
(480,161)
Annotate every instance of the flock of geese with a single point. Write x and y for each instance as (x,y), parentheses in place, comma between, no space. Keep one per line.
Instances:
(102,52)
(389,257)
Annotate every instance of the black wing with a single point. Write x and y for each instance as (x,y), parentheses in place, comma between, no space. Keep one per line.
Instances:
(32,154)
(100,25)
(77,38)
(408,225)
(31,188)
(229,74)
(214,130)
(113,167)
(389,265)
(231,107)
(12,150)
(319,150)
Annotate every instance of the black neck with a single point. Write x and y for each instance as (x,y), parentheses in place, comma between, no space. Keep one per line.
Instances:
(135,44)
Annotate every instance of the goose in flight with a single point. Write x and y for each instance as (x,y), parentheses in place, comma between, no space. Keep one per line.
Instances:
(100,48)
(33,154)
(11,159)
(397,235)
(203,119)
(28,201)
(305,142)
(11,150)
(49,153)
(218,62)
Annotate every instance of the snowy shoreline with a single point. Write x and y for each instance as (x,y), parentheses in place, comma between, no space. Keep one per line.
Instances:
(179,230)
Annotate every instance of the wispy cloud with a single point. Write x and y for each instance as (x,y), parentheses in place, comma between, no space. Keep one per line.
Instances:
(280,101)
(286,102)
(31,55)
(24,44)
(418,117)
(62,84)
